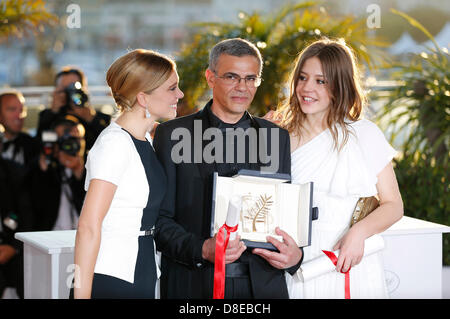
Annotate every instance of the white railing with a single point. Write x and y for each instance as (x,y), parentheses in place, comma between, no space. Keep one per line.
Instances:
(40,96)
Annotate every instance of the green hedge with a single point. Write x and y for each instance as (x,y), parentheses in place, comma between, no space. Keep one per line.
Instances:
(425,192)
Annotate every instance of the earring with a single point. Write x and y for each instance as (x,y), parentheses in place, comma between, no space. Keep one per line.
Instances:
(147,113)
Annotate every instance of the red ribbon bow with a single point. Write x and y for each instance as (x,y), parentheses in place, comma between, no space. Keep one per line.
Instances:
(219,260)
(334,260)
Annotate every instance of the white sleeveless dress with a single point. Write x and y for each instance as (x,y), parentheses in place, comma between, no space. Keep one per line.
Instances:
(339,180)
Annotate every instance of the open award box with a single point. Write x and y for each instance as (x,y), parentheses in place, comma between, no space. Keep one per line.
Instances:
(267,201)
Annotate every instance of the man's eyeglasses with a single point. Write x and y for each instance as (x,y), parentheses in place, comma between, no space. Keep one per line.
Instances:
(233,79)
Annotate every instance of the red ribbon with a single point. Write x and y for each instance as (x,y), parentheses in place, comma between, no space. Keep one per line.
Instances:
(334,260)
(219,260)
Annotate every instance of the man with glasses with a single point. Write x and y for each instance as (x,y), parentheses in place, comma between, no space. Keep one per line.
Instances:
(183,228)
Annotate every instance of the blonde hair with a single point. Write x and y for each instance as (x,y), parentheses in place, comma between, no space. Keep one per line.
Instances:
(137,71)
(343,83)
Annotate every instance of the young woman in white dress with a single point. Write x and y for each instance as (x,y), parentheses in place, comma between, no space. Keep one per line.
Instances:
(347,158)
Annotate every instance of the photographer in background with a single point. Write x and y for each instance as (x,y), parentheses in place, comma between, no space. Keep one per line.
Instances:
(56,183)
(15,216)
(18,146)
(70,97)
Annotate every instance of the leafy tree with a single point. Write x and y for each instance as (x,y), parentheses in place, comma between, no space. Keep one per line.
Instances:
(392,28)
(419,108)
(20,17)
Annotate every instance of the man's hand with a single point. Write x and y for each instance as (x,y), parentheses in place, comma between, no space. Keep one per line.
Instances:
(6,253)
(289,254)
(87,113)
(75,163)
(234,249)
(58,100)
(43,163)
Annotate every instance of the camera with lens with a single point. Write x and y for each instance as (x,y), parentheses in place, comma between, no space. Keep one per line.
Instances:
(66,143)
(75,95)
(69,144)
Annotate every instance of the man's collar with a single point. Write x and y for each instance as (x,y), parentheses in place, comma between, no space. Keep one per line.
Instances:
(217,122)
(5,139)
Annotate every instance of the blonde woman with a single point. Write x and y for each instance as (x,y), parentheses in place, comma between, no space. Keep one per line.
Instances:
(347,158)
(125,183)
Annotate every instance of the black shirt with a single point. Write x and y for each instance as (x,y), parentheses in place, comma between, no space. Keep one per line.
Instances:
(235,156)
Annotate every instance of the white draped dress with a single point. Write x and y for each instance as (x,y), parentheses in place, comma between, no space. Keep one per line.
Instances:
(340,178)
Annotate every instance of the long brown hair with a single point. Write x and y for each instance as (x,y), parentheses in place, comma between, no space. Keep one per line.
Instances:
(343,83)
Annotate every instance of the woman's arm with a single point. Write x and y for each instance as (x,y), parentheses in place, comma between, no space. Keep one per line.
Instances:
(98,200)
(391,205)
(390,211)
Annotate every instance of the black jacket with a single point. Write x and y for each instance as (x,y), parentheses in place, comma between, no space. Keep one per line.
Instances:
(14,205)
(185,218)
(44,190)
(13,202)
(29,145)
(93,129)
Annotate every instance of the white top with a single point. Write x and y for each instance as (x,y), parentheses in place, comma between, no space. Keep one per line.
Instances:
(114,159)
(340,179)
(352,171)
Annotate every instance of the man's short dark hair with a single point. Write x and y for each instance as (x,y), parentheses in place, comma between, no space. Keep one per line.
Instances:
(66,120)
(234,47)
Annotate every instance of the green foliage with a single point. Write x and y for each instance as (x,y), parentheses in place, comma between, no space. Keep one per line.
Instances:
(280,36)
(426,193)
(419,109)
(19,17)
(392,28)
(418,112)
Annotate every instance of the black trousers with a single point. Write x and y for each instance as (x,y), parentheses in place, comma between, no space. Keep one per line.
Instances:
(238,288)
(11,275)
(237,281)
(108,287)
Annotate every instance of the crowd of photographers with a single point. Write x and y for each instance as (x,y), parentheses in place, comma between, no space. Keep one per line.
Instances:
(42,177)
